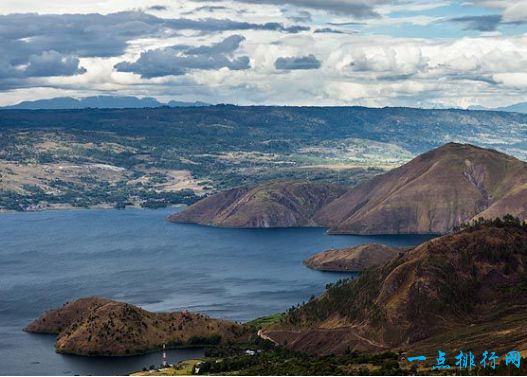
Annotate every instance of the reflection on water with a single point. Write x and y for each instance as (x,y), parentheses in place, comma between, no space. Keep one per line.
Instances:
(134,255)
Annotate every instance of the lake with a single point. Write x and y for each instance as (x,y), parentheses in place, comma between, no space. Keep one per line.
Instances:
(135,255)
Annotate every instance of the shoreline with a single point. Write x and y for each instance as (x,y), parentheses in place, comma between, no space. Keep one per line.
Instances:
(67,207)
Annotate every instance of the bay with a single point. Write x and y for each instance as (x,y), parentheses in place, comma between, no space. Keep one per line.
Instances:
(135,255)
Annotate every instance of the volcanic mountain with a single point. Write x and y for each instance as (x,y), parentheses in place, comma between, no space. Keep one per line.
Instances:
(100,327)
(433,193)
(466,290)
(271,205)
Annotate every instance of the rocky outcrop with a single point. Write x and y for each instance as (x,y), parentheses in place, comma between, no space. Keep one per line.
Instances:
(272,205)
(100,327)
(354,259)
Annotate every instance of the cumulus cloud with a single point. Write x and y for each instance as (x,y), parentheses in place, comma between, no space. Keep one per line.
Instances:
(45,45)
(45,64)
(191,51)
(90,35)
(297,62)
(299,16)
(516,12)
(52,63)
(395,61)
(513,11)
(178,60)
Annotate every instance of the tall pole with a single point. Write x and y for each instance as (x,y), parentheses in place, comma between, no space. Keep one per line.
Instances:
(165,364)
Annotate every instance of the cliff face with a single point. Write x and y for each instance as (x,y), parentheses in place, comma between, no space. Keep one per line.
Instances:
(353,259)
(101,327)
(432,194)
(467,290)
(271,205)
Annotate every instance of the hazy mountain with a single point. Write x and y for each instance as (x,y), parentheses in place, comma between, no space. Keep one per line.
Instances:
(98,102)
(187,104)
(516,108)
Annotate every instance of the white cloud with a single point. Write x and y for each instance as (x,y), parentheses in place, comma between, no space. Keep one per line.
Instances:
(516,12)
(355,68)
(512,80)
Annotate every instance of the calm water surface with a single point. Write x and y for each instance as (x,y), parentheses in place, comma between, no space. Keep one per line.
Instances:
(47,258)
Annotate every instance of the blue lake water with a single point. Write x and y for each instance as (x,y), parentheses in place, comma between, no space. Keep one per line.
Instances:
(135,255)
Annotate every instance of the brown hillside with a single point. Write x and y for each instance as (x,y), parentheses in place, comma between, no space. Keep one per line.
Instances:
(94,326)
(355,259)
(271,205)
(433,193)
(466,290)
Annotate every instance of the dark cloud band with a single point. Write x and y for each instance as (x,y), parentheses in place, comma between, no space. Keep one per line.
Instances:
(178,60)
(355,8)
(297,62)
(34,45)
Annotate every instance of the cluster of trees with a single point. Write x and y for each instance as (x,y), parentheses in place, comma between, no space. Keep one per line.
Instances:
(352,298)
(120,197)
(505,221)
(271,360)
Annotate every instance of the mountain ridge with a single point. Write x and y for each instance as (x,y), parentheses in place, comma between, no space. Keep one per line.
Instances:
(271,205)
(520,107)
(465,290)
(431,194)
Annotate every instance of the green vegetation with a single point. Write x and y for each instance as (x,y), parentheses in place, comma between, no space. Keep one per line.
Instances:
(506,221)
(352,298)
(261,322)
(119,197)
(183,368)
(263,358)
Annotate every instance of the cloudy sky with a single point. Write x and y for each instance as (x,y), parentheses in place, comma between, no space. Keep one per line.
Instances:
(421,53)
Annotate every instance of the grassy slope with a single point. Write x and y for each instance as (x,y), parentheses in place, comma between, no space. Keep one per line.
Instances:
(275,204)
(468,287)
(433,193)
(94,326)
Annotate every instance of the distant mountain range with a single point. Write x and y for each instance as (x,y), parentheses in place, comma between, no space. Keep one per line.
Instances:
(516,108)
(99,102)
